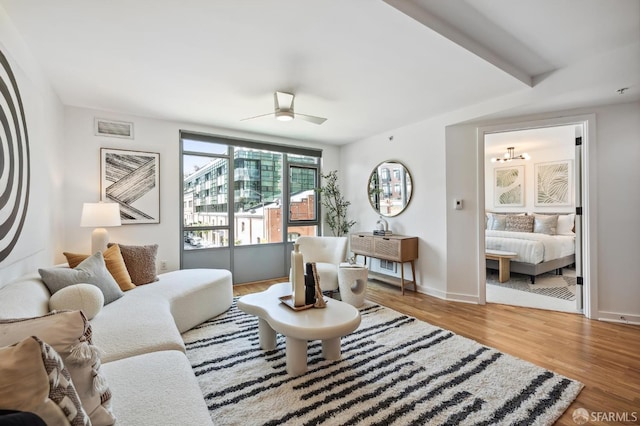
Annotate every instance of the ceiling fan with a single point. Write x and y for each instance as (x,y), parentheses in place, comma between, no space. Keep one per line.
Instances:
(284,110)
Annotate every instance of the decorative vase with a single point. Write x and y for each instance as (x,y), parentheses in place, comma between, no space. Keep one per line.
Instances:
(297,275)
(309,285)
(320,303)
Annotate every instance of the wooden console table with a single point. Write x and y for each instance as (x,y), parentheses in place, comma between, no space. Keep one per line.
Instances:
(394,248)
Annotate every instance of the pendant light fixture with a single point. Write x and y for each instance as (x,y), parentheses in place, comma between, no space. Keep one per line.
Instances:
(510,155)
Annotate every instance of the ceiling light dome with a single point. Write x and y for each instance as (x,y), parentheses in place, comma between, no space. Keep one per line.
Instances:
(284,115)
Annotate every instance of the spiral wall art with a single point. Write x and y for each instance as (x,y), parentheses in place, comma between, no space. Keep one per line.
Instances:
(14,161)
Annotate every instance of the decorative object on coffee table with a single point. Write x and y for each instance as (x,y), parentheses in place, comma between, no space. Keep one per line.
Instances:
(309,285)
(319,298)
(297,277)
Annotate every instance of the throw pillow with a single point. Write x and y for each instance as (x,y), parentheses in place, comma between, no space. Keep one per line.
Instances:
(566,223)
(519,223)
(497,222)
(34,379)
(69,333)
(79,297)
(545,224)
(92,270)
(115,265)
(141,262)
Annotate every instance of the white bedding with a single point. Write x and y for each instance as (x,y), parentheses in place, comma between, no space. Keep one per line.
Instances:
(531,247)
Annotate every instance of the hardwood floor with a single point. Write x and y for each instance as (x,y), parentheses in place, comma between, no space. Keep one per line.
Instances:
(605,357)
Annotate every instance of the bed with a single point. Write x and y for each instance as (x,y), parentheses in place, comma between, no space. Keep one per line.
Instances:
(537,252)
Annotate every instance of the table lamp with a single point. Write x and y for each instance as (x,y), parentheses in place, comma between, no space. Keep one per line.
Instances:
(99,216)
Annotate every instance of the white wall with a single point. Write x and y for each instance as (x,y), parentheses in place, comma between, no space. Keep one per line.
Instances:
(563,148)
(420,148)
(617,201)
(82,177)
(42,233)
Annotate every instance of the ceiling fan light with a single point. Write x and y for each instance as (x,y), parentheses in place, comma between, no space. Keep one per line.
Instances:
(284,115)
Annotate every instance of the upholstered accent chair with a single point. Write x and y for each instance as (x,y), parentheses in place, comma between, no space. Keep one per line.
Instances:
(327,253)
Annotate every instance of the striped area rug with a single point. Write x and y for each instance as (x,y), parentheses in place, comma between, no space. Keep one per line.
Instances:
(394,369)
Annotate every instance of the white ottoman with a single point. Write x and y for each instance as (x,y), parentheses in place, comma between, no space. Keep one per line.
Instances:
(352,281)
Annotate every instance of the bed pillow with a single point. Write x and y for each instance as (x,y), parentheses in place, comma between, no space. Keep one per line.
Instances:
(545,224)
(141,262)
(496,222)
(34,379)
(69,333)
(92,270)
(519,223)
(566,223)
(115,265)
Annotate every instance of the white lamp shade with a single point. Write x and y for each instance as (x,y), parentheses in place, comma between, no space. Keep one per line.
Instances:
(98,215)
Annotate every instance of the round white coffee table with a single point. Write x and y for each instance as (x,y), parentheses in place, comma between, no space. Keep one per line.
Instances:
(352,281)
(328,324)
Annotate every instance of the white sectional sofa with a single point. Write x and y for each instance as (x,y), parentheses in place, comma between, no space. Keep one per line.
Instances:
(143,361)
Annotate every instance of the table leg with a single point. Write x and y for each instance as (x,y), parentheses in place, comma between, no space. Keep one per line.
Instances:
(504,269)
(267,335)
(331,348)
(296,356)
(402,277)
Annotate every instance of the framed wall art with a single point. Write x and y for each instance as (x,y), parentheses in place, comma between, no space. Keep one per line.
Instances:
(553,183)
(131,179)
(508,189)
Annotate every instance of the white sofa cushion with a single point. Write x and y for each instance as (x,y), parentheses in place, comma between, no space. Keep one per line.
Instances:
(158,388)
(25,297)
(145,319)
(135,325)
(194,295)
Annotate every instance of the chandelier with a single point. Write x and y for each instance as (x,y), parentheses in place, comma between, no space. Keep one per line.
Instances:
(510,155)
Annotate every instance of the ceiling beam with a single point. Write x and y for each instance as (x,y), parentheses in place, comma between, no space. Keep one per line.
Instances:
(420,14)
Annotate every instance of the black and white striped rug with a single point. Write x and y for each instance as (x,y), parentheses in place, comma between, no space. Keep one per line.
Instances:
(394,369)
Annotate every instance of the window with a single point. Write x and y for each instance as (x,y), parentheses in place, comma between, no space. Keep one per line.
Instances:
(232,192)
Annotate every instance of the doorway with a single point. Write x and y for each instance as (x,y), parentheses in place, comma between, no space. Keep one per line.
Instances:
(532,234)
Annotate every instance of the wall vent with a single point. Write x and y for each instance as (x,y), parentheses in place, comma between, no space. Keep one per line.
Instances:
(113,128)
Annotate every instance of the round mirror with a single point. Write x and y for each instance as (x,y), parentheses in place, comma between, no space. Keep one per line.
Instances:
(390,188)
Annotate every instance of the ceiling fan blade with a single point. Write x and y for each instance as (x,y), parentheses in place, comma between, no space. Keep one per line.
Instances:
(310,118)
(283,100)
(258,116)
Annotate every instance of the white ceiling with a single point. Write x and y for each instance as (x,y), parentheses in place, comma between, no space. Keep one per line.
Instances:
(368,66)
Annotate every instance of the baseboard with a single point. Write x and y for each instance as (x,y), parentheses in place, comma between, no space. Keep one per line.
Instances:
(619,318)
(453,297)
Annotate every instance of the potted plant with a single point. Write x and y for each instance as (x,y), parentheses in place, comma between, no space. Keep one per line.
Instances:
(334,204)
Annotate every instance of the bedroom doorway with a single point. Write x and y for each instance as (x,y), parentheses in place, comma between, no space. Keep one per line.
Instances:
(532,236)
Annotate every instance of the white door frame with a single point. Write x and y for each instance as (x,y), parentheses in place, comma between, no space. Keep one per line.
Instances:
(589,217)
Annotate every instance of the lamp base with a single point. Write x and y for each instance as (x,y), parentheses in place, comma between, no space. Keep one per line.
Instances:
(99,240)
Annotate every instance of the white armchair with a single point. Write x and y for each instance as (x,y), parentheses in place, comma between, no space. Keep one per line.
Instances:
(327,253)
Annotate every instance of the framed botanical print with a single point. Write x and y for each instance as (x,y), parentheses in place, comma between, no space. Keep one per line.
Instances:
(508,189)
(553,183)
(131,179)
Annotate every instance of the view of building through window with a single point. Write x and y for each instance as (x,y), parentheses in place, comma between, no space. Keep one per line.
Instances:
(251,207)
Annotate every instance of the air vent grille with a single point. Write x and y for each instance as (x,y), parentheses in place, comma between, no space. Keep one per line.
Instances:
(112,128)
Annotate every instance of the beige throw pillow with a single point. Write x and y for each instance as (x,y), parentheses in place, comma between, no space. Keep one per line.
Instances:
(141,262)
(79,297)
(35,380)
(69,333)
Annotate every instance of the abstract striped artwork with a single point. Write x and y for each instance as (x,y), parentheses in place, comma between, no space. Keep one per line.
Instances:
(394,369)
(131,179)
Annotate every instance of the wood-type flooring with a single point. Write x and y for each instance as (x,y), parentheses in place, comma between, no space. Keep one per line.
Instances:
(604,356)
